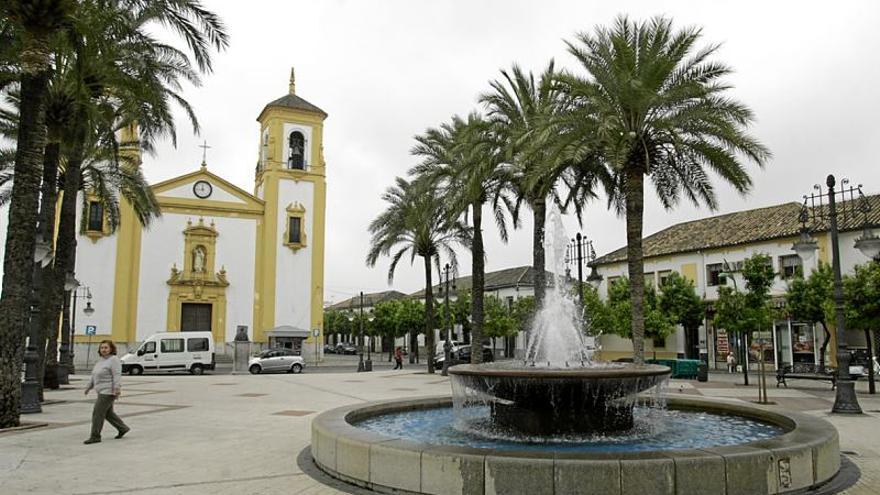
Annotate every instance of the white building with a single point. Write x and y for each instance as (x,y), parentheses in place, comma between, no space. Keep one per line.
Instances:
(219,259)
(698,250)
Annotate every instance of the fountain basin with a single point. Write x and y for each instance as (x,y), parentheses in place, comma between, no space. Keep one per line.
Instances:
(806,455)
(548,401)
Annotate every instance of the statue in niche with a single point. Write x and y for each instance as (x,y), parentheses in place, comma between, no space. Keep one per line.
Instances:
(199,256)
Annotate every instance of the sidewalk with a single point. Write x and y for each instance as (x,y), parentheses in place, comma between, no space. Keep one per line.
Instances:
(248,434)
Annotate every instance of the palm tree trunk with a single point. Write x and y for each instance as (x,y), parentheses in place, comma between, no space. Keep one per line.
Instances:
(20,238)
(48,312)
(478,278)
(65,248)
(429,315)
(635,208)
(539,210)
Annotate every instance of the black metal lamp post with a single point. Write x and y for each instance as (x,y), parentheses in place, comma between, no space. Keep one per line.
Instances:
(64,349)
(368,364)
(575,254)
(447,346)
(845,401)
(78,293)
(30,387)
(361,366)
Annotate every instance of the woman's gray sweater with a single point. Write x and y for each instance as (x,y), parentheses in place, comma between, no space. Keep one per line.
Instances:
(106,376)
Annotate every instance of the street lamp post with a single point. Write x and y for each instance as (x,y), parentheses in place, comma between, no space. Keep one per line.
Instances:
(78,293)
(65,368)
(575,254)
(845,401)
(30,387)
(361,365)
(447,346)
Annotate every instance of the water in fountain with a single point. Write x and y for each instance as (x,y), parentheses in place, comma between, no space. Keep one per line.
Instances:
(559,389)
(556,338)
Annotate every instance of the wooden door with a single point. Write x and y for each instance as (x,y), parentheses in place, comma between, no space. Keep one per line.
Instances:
(195,317)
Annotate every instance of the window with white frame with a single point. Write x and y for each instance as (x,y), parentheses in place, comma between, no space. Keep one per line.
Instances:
(790,266)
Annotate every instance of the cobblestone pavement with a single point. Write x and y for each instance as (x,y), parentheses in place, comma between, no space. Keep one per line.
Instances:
(249,434)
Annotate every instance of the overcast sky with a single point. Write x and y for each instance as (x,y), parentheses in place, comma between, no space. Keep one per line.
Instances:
(385,71)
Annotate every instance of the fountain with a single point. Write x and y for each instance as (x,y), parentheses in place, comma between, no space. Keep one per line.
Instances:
(557,389)
(558,421)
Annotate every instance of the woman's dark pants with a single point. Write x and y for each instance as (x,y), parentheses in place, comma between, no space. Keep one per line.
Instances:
(104,410)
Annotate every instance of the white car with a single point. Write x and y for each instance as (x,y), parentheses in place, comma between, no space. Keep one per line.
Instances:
(172,351)
(276,360)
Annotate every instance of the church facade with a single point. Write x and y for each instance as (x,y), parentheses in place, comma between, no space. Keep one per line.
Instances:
(219,259)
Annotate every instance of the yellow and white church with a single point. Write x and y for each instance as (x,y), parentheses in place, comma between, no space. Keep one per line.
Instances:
(219,258)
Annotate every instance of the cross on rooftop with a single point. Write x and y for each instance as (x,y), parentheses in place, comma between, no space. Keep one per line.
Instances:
(204,147)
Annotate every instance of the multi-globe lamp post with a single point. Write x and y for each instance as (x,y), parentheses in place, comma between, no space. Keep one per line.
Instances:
(579,250)
(362,364)
(814,212)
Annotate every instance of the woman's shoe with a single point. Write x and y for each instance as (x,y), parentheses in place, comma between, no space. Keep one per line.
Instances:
(122,433)
(92,440)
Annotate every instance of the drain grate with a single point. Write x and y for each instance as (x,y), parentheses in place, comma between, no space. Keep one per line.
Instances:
(850,452)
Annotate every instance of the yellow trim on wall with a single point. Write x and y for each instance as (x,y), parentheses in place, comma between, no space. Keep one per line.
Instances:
(127,275)
(198,284)
(318,220)
(206,206)
(204,174)
(267,256)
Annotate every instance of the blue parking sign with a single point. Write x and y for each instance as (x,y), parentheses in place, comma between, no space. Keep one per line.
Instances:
(91,329)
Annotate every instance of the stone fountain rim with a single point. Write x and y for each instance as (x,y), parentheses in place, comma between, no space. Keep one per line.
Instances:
(627,370)
(392,465)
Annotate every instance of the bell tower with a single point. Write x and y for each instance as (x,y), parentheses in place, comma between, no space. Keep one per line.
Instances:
(291,178)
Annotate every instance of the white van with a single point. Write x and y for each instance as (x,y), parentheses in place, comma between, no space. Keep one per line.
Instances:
(172,351)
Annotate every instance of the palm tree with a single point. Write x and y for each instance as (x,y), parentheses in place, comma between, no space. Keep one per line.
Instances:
(118,69)
(522,113)
(464,158)
(650,104)
(32,24)
(417,222)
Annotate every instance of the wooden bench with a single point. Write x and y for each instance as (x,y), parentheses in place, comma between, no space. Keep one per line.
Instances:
(805,371)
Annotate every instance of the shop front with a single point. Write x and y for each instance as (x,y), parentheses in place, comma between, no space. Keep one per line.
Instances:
(789,343)
(287,337)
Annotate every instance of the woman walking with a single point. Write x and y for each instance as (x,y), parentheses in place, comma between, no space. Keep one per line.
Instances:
(107,381)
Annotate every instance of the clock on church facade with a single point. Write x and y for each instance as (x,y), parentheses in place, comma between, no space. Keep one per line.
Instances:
(221,257)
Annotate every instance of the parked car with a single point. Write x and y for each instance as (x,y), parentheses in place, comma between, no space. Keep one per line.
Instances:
(859,362)
(438,347)
(462,355)
(284,360)
(329,349)
(346,348)
(172,351)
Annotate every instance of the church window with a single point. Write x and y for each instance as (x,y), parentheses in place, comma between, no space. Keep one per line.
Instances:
(295,233)
(293,230)
(296,158)
(96,217)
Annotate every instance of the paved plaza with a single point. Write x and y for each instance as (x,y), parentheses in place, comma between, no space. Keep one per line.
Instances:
(249,434)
